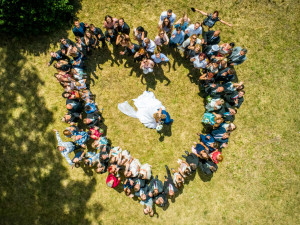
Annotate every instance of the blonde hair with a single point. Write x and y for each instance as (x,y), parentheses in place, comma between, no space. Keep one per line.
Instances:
(182,21)
(194,35)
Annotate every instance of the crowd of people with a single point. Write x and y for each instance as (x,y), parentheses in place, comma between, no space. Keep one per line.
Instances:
(217,79)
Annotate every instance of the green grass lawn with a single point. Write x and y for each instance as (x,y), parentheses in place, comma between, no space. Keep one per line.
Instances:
(258,181)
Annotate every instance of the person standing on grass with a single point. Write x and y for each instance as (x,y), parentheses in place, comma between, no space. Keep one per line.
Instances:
(79,28)
(193,29)
(59,55)
(169,186)
(147,66)
(65,148)
(167,14)
(161,39)
(177,37)
(211,19)
(112,181)
(212,37)
(111,36)
(109,22)
(199,61)
(159,57)
(98,33)
(122,27)
(183,22)
(130,49)
(149,46)
(139,34)
(238,56)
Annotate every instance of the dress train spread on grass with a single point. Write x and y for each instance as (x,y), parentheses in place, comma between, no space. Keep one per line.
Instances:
(146,105)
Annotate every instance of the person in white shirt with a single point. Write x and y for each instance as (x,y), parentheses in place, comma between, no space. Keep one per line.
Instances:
(194,29)
(149,45)
(199,61)
(167,14)
(147,66)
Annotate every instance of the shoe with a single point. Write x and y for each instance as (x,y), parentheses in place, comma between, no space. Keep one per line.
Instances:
(166,167)
(186,152)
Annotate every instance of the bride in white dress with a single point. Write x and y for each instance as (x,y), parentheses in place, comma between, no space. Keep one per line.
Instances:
(147,105)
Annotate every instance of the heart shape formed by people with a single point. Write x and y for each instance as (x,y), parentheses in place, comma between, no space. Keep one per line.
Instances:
(204,154)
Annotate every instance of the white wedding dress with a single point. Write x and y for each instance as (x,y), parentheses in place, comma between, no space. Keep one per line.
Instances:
(147,105)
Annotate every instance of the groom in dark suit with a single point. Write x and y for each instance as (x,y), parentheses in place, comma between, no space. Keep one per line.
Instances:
(212,37)
(122,27)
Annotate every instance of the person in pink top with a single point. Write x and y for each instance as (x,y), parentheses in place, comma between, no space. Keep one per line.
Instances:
(216,156)
(112,181)
(109,22)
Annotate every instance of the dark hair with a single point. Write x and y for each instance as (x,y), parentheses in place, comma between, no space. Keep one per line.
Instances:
(232,71)
(202,54)
(217,12)
(87,108)
(169,11)
(122,19)
(242,91)
(245,50)
(178,28)
(63,94)
(76,20)
(241,87)
(141,29)
(108,16)
(169,24)
(77,38)
(92,25)
(232,44)
(77,165)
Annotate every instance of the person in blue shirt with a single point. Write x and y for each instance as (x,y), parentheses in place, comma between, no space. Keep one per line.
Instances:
(77,159)
(81,138)
(164,116)
(167,14)
(65,148)
(177,37)
(90,107)
(79,28)
(208,141)
(221,136)
(159,57)
(183,22)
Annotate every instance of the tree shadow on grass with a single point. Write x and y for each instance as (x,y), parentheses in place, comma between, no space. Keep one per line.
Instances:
(35,184)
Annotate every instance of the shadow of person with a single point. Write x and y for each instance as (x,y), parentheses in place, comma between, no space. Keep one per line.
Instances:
(150,81)
(204,177)
(44,170)
(160,75)
(166,131)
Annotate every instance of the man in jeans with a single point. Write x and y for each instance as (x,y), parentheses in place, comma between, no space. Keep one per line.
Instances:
(65,148)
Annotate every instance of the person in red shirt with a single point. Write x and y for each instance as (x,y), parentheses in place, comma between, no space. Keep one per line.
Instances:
(216,156)
(112,181)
